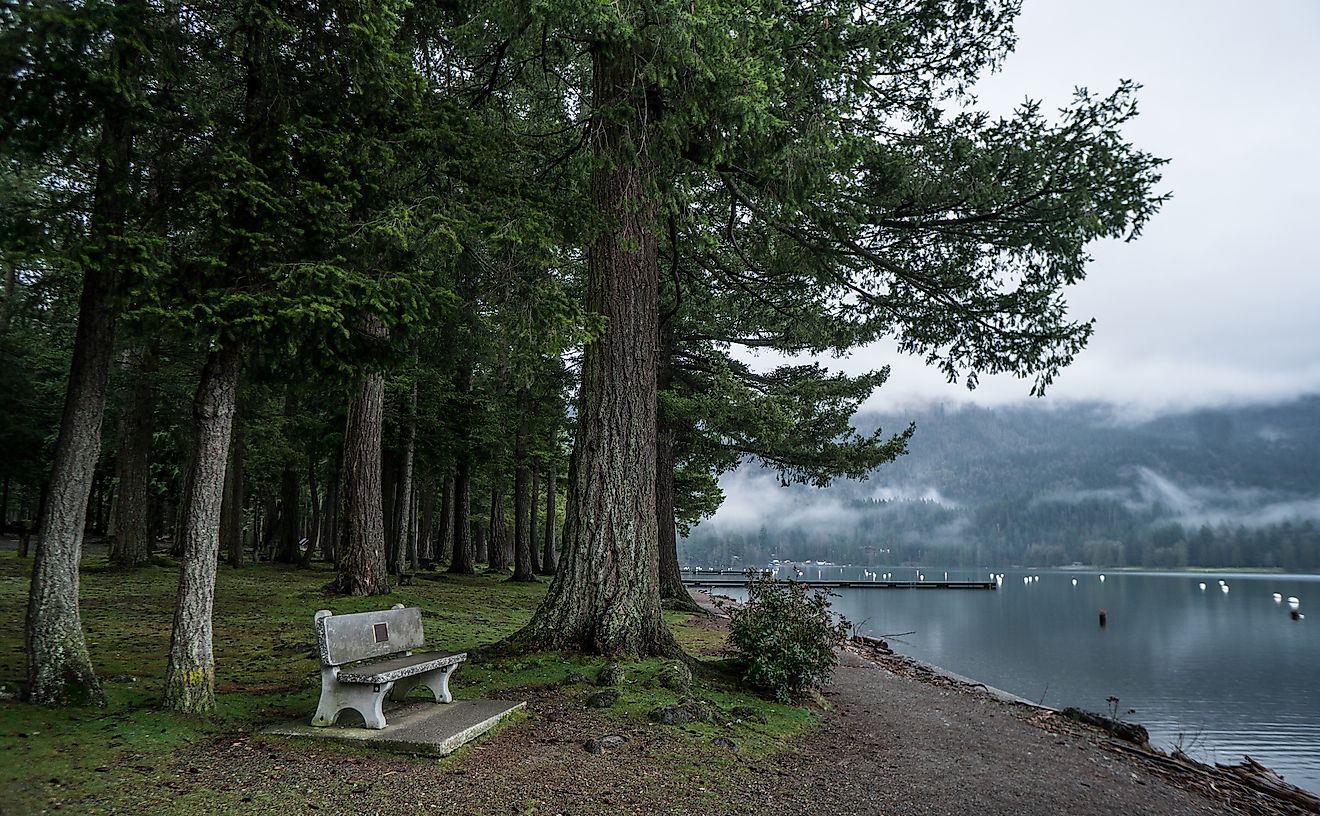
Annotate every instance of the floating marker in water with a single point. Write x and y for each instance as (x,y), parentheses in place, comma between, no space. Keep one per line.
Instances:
(1278,597)
(1074,582)
(1294,601)
(1202,585)
(1224,589)
(1221,582)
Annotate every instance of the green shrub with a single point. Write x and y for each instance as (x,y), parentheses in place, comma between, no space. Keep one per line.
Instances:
(785,636)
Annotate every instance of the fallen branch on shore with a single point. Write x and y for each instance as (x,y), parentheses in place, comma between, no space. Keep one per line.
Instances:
(1249,786)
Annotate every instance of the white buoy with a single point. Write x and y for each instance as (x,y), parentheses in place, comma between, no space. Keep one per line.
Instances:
(1102,578)
(1224,589)
(1202,585)
(1294,601)
(1278,597)
(1074,582)
(1035,578)
(1221,581)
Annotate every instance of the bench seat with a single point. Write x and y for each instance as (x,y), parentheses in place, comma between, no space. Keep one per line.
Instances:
(398,668)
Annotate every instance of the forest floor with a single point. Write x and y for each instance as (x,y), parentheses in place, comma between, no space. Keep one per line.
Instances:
(879,741)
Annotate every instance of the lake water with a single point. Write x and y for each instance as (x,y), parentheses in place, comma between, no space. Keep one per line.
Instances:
(1221,673)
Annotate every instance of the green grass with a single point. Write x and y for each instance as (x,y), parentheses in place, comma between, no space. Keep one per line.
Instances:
(267,670)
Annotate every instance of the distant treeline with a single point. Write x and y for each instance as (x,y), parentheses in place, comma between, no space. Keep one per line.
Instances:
(1029,534)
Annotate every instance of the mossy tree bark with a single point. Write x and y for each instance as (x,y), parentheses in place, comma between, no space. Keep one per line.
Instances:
(190,675)
(362,568)
(605,598)
(59,669)
(131,544)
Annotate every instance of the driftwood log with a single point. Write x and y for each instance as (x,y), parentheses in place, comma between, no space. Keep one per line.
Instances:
(1132,732)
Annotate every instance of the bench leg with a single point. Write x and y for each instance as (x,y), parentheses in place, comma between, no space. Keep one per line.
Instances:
(367,700)
(438,682)
(327,710)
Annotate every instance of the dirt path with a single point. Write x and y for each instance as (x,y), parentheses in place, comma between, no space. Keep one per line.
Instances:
(896,745)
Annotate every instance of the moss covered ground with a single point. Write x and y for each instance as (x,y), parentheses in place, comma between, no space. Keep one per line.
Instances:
(120,757)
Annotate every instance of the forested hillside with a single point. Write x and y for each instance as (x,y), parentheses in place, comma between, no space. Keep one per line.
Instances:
(1042,486)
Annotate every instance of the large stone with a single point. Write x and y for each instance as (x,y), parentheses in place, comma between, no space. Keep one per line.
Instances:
(605,698)
(611,675)
(605,743)
(677,677)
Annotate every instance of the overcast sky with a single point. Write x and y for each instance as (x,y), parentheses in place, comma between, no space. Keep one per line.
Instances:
(1219,300)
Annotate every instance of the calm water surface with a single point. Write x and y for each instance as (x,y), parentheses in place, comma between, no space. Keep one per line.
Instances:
(1221,673)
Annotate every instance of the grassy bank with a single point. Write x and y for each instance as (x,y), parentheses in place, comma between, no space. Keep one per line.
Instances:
(121,757)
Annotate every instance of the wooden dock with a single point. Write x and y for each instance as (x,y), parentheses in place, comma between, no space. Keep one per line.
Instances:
(722,582)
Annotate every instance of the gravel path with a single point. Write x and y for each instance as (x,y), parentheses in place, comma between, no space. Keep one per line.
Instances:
(896,745)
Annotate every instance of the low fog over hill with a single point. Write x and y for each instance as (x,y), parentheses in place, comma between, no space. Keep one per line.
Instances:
(1043,485)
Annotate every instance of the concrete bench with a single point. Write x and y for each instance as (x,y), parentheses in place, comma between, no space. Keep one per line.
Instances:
(354,675)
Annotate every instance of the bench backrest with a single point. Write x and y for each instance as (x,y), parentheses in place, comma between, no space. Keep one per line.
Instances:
(364,635)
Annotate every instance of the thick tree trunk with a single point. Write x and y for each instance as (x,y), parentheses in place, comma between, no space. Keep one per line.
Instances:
(190,675)
(500,545)
(463,554)
(548,559)
(231,509)
(606,596)
(362,568)
(59,670)
(522,509)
